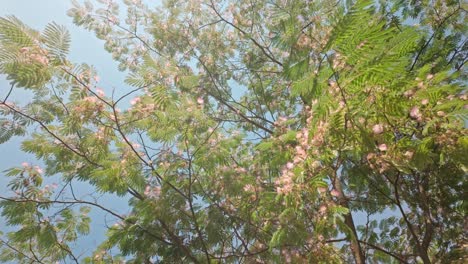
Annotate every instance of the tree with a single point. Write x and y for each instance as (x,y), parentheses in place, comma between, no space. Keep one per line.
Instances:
(255,132)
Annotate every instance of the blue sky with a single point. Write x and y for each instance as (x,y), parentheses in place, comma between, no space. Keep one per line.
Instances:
(85,47)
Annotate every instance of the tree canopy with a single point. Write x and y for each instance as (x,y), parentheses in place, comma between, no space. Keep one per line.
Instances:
(252,132)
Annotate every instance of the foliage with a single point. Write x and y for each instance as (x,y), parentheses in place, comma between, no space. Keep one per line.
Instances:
(253,132)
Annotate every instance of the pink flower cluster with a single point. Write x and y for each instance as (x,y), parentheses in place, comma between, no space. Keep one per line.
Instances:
(36,55)
(152,191)
(377,162)
(135,100)
(249,188)
(36,169)
(290,255)
(100,133)
(90,99)
(415,113)
(284,184)
(319,134)
(304,41)
(378,129)
(100,92)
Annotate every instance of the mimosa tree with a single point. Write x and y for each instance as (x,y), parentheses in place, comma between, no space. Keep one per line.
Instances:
(253,132)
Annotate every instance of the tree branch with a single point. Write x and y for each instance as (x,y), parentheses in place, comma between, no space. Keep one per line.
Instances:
(402,260)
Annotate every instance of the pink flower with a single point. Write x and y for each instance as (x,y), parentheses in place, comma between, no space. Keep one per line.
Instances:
(42,60)
(334,193)
(135,100)
(408,93)
(25,164)
(152,192)
(342,104)
(289,165)
(282,119)
(323,209)
(377,129)
(147,190)
(38,169)
(99,92)
(240,170)
(299,135)
(383,147)
(284,184)
(90,99)
(321,189)
(297,159)
(157,190)
(200,100)
(300,152)
(249,188)
(414,113)
(425,101)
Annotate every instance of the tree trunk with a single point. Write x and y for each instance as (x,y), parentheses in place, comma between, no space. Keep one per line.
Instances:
(353,239)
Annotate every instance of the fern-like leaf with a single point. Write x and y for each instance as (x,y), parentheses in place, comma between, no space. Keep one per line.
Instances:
(57,40)
(13,32)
